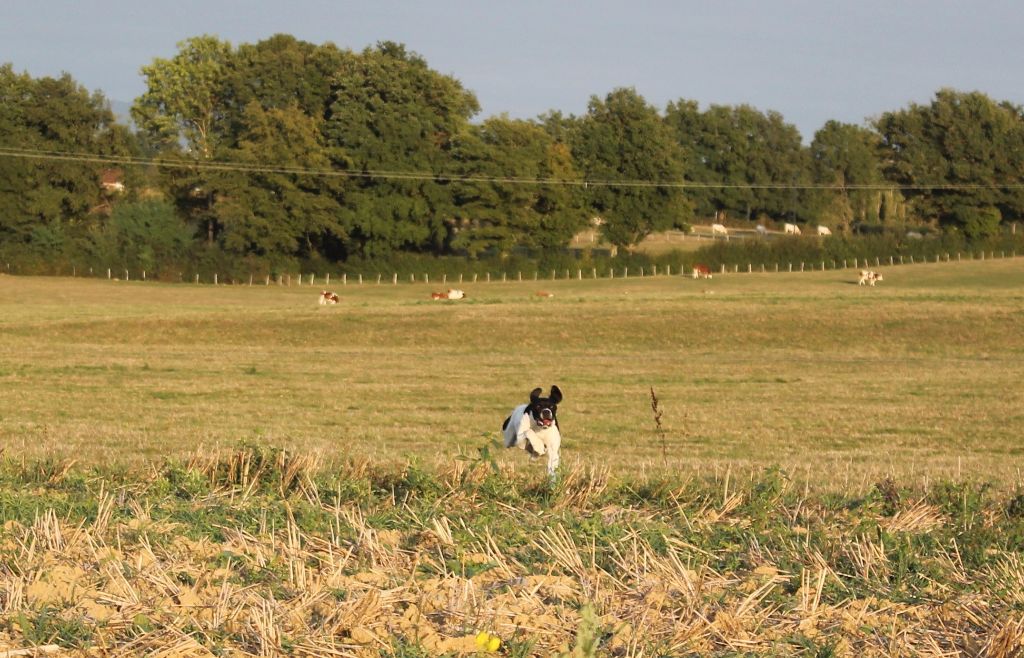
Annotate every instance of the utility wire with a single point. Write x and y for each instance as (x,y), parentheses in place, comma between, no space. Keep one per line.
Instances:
(213,165)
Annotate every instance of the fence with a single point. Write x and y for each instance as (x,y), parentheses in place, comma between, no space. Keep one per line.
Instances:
(345,279)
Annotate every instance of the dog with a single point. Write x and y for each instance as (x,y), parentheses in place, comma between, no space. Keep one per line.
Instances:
(328,297)
(534,427)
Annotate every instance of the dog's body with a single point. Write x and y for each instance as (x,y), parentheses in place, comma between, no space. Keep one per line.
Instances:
(534,427)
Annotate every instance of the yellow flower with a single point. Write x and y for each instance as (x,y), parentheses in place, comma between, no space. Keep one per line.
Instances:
(487,642)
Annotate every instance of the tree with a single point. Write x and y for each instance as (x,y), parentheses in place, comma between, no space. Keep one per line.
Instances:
(752,163)
(520,190)
(270,211)
(281,72)
(634,166)
(146,235)
(963,151)
(46,203)
(182,109)
(846,157)
(391,124)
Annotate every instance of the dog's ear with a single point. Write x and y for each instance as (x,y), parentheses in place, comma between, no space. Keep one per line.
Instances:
(556,395)
(535,394)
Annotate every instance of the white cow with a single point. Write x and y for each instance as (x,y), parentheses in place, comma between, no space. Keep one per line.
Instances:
(791,229)
(869,277)
(824,230)
(762,229)
(719,229)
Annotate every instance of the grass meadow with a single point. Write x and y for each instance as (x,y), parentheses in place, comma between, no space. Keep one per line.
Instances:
(835,382)
(831,470)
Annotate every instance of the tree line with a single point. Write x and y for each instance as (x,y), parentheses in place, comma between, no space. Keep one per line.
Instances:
(282,152)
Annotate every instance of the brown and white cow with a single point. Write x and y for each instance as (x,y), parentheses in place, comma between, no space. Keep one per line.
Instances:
(700,270)
(328,297)
(453,293)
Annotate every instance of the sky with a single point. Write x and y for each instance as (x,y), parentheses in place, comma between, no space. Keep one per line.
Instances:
(812,61)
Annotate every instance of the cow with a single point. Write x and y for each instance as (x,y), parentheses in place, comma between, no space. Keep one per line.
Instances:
(328,297)
(869,277)
(544,293)
(453,293)
(719,229)
(824,230)
(761,229)
(791,229)
(701,270)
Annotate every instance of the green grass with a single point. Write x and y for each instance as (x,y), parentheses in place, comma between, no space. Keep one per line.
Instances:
(838,383)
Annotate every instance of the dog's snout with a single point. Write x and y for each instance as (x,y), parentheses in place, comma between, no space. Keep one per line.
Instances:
(545,413)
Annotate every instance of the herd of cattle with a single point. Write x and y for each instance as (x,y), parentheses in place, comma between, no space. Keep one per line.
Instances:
(700,271)
(788,229)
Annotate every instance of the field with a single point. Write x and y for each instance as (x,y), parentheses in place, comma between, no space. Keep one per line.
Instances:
(235,470)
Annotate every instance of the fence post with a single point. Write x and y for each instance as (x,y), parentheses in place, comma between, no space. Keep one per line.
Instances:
(426,278)
(474,277)
(197,278)
(625,272)
(360,279)
(267,281)
(488,277)
(394,279)
(579,274)
(593,271)
(108,271)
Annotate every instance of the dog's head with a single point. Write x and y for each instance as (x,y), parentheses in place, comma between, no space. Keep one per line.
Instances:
(544,410)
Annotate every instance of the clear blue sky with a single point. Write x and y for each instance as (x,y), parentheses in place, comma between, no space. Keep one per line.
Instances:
(811,60)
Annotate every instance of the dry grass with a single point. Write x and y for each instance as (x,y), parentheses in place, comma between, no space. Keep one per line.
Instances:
(716,568)
(838,383)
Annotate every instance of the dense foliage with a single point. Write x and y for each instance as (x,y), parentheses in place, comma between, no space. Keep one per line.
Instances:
(281,153)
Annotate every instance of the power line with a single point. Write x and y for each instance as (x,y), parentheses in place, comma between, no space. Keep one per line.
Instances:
(244,167)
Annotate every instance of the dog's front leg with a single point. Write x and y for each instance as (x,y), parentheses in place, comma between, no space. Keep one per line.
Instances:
(554,450)
(532,443)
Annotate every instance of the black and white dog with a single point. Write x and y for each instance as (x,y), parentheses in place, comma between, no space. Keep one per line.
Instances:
(534,427)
